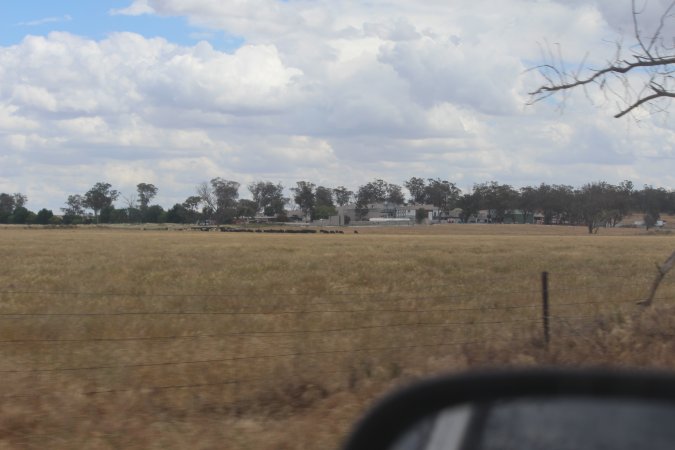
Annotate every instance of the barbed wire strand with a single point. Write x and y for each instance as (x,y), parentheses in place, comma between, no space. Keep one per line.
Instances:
(228,359)
(274,333)
(267,379)
(266,295)
(16,315)
(256,379)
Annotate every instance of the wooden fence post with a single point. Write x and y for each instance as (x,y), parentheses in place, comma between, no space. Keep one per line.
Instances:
(544,298)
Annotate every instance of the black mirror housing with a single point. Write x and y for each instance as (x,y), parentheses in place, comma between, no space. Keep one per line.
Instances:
(384,424)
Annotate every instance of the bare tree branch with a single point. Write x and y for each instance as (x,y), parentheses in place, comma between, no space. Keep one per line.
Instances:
(622,68)
(644,77)
(642,100)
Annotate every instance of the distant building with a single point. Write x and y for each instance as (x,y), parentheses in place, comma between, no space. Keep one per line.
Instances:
(410,212)
(378,212)
(511,216)
(455,216)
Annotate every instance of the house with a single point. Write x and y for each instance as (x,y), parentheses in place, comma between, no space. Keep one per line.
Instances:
(297,215)
(352,213)
(410,212)
(520,216)
(371,212)
(483,216)
(455,216)
(510,216)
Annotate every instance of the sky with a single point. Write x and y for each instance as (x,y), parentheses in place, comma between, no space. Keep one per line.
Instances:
(336,92)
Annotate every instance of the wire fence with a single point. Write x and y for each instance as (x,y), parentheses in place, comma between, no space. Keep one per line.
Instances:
(93,343)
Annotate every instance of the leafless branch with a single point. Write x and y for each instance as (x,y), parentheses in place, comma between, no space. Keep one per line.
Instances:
(643,77)
(130,200)
(205,192)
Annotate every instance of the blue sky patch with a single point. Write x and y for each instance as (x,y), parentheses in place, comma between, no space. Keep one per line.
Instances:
(92,19)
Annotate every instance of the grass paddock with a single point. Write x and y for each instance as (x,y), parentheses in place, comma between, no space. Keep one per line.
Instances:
(123,338)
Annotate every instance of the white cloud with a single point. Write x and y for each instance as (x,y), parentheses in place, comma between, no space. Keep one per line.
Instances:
(10,121)
(302,153)
(139,7)
(331,91)
(253,79)
(439,72)
(33,97)
(38,22)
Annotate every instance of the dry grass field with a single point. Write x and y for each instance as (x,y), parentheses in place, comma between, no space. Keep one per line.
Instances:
(122,338)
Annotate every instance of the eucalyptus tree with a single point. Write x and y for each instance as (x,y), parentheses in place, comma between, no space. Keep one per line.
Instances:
(343,196)
(100,196)
(305,197)
(219,197)
(268,197)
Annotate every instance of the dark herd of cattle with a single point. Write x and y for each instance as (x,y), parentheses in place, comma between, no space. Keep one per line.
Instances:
(273,230)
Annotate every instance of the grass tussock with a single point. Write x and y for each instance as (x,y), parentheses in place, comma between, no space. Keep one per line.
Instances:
(174,339)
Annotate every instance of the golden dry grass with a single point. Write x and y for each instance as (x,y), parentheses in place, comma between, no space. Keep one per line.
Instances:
(174,339)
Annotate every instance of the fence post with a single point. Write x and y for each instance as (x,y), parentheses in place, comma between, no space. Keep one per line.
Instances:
(544,298)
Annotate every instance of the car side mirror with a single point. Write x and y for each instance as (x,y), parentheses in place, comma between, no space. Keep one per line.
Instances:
(525,410)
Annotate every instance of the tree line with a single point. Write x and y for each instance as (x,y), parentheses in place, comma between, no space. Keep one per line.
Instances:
(594,204)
